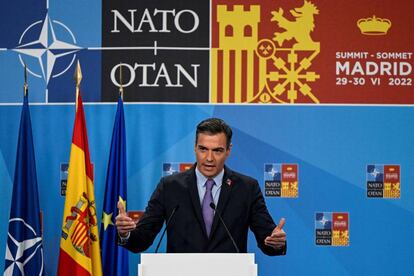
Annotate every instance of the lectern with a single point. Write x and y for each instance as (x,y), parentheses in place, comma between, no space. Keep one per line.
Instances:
(189,264)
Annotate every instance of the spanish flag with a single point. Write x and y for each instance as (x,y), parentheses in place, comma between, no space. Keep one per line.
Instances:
(79,243)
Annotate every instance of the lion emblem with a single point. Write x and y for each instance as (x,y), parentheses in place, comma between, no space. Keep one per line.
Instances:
(299,29)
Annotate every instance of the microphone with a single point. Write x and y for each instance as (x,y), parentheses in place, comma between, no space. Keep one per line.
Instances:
(213,206)
(166,226)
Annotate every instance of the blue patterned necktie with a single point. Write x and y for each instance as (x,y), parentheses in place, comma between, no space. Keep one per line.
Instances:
(208,212)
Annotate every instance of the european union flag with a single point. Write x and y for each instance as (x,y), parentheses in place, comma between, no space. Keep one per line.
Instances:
(24,250)
(114,257)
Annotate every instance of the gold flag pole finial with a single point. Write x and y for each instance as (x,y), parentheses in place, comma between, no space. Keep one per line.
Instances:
(78,78)
(25,85)
(121,87)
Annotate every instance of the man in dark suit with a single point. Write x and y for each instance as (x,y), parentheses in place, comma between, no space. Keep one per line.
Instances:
(195,228)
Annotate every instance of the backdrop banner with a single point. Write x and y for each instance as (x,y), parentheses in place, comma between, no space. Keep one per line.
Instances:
(319,95)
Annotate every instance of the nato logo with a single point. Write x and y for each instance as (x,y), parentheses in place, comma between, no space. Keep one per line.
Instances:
(323,221)
(383,181)
(323,228)
(272,172)
(272,179)
(47,48)
(175,167)
(64,168)
(281,180)
(375,173)
(332,228)
(23,254)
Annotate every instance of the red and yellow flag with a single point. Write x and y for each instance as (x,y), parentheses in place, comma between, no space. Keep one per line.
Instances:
(79,244)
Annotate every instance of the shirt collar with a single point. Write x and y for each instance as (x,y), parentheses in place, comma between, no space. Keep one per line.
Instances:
(201,179)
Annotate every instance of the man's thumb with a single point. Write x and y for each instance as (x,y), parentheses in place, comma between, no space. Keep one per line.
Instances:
(281,224)
(121,208)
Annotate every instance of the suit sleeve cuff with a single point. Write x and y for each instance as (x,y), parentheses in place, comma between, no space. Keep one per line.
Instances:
(123,240)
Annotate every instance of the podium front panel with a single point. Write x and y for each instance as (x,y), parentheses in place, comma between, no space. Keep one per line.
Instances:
(220,264)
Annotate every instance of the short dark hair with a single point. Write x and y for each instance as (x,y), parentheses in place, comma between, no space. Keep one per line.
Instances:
(214,126)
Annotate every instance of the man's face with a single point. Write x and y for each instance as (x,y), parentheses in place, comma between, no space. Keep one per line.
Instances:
(211,153)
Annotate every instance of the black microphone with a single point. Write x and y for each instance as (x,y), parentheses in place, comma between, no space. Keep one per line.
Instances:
(213,206)
(166,226)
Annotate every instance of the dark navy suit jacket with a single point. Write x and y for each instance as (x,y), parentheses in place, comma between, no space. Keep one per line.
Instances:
(241,205)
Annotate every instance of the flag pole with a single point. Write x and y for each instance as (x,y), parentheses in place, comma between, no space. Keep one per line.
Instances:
(78,78)
(25,85)
(121,87)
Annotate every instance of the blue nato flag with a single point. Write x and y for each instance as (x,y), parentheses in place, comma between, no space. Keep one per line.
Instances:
(114,257)
(24,249)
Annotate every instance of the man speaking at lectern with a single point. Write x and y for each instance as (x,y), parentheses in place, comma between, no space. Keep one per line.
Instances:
(199,204)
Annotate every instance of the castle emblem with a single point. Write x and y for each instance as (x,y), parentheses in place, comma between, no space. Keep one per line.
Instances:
(249,69)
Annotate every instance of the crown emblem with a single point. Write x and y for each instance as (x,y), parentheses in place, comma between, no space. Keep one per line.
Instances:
(374,25)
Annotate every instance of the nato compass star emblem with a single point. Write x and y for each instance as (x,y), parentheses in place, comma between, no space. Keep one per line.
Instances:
(375,173)
(47,48)
(23,254)
(273,172)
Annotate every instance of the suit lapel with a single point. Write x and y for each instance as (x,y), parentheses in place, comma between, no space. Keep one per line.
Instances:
(195,198)
(225,193)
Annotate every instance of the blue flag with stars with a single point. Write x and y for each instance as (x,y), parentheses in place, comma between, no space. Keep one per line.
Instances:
(114,257)
(24,249)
